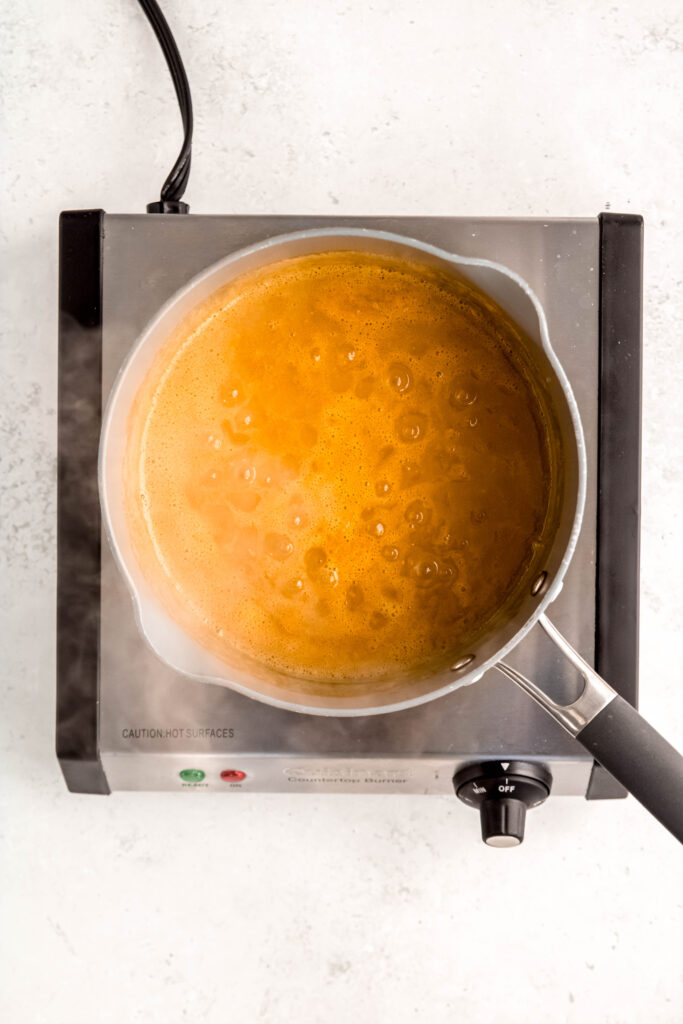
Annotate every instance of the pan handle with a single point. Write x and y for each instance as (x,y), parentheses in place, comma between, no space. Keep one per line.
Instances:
(617,736)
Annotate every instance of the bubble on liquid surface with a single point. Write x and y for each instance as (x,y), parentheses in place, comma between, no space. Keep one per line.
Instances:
(376,529)
(463,394)
(411,427)
(314,560)
(422,568)
(382,488)
(244,421)
(329,577)
(417,514)
(354,597)
(231,393)
(448,570)
(298,519)
(390,553)
(316,355)
(452,442)
(345,355)
(245,472)
(279,546)
(400,377)
(411,474)
(293,588)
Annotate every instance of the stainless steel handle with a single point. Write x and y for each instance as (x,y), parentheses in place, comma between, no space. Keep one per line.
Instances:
(615,735)
(594,698)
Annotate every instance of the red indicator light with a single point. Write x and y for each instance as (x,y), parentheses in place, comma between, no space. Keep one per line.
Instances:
(232,775)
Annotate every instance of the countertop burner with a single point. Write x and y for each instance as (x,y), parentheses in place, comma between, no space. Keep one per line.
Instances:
(126,721)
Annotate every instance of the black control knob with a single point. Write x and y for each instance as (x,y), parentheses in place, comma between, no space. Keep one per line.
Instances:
(503,791)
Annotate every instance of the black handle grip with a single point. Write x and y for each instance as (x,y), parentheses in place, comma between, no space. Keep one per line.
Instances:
(642,760)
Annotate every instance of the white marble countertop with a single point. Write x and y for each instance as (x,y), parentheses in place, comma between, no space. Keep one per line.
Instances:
(345,909)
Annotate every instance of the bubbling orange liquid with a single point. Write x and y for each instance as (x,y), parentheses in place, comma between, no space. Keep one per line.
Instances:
(339,468)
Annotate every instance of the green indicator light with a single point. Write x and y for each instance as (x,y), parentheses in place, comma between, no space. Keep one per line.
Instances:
(192,775)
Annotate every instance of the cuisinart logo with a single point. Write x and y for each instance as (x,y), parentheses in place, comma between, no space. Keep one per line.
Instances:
(390,776)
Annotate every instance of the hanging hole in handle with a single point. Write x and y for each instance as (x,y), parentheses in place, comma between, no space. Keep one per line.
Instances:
(462,663)
(538,586)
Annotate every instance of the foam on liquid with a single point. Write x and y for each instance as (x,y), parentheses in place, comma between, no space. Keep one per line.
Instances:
(340,471)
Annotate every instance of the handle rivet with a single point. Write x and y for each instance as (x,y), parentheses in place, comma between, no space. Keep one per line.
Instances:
(462,663)
(539,583)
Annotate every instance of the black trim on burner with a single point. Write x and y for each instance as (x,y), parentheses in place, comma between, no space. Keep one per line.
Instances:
(78,509)
(618,527)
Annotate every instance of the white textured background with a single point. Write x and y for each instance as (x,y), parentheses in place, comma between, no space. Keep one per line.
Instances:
(152,908)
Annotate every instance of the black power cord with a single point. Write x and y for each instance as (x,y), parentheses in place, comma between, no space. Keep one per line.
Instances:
(176,183)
